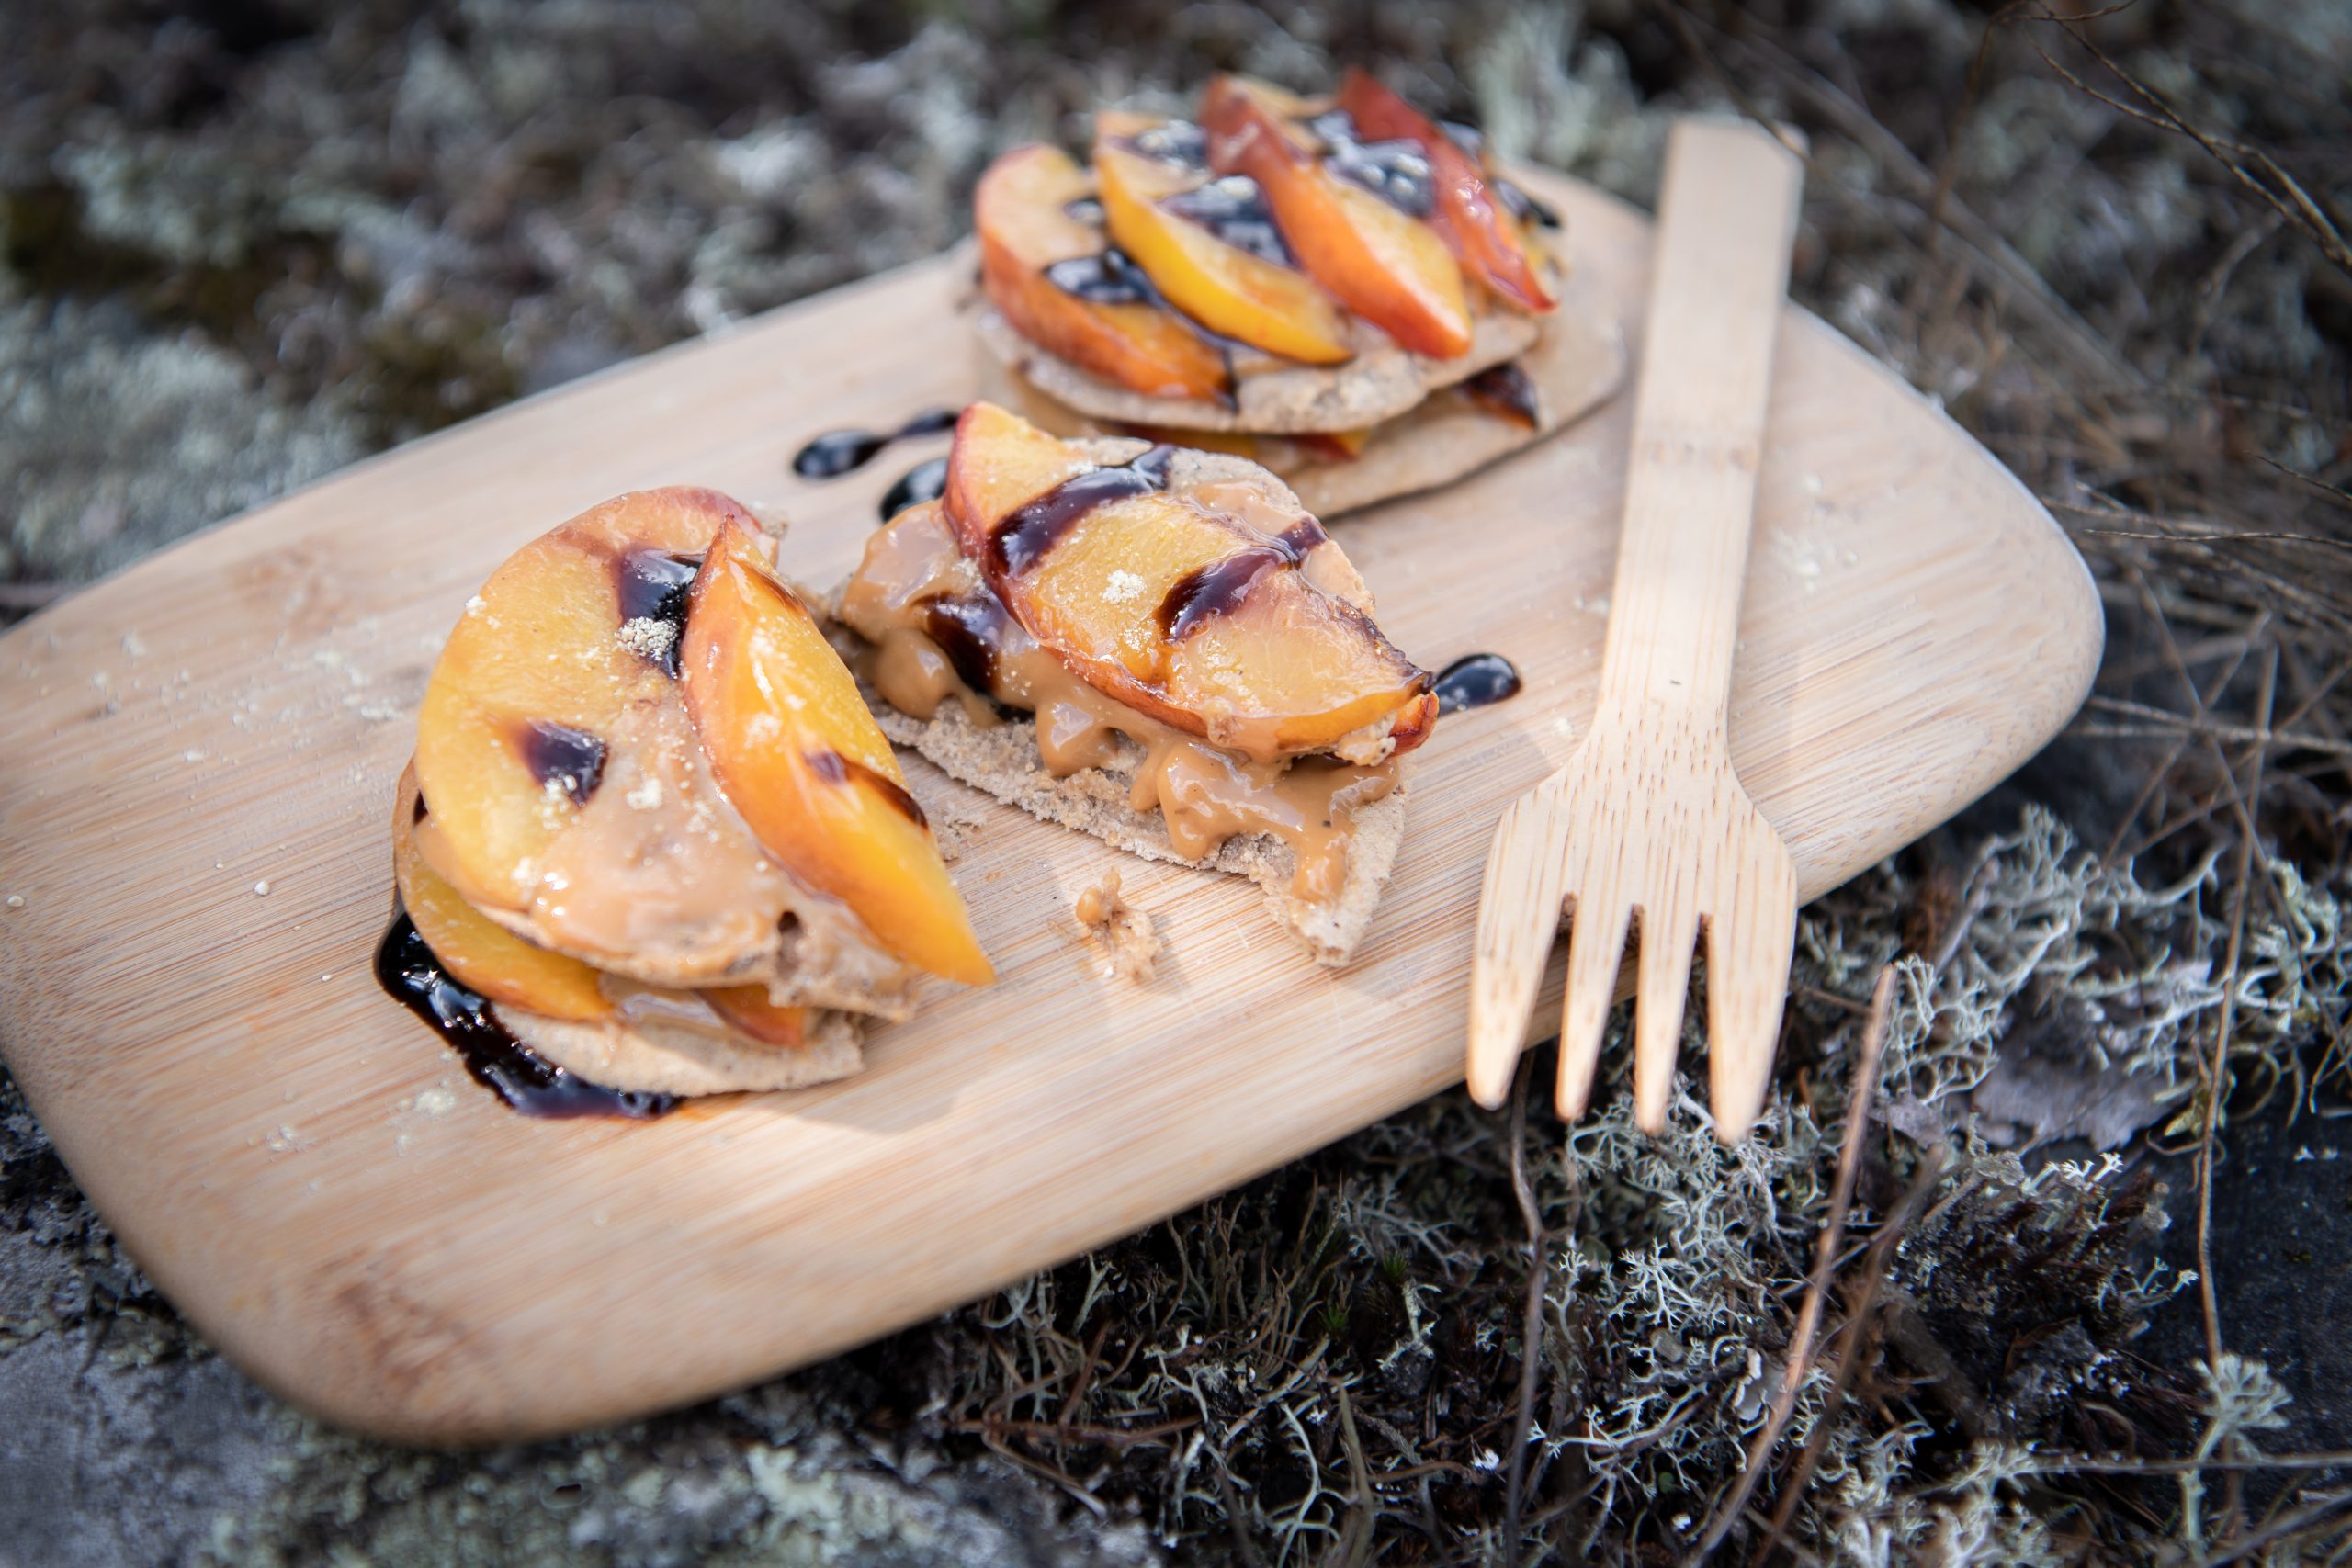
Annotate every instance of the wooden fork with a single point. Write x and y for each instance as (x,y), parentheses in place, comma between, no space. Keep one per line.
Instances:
(1647,818)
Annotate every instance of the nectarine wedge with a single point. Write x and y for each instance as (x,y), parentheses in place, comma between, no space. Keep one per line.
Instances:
(1491,242)
(1382,262)
(1188,603)
(801,759)
(1029,242)
(1225,287)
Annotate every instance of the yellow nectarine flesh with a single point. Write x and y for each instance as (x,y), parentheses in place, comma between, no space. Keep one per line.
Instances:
(801,759)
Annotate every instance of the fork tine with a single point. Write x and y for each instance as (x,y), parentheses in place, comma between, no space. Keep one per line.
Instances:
(1596,942)
(1747,984)
(1519,913)
(1669,929)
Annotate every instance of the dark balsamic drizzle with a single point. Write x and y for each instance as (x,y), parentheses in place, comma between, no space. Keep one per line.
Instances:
(1504,390)
(653,586)
(839,452)
(1234,209)
(924,481)
(1111,278)
(571,759)
(412,975)
(1179,141)
(1397,171)
(834,768)
(1022,539)
(1475,681)
(1107,277)
(1208,592)
(1523,206)
(969,628)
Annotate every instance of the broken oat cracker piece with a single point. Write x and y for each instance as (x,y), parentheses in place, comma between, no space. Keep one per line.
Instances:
(1125,931)
(1154,645)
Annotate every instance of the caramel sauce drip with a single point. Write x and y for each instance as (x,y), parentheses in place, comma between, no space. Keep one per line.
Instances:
(1206,795)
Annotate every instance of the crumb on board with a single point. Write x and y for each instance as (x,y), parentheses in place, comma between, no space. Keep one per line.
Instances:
(1122,929)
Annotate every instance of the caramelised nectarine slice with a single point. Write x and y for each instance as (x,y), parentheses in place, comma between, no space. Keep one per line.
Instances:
(1214,608)
(801,757)
(1209,246)
(1051,276)
(1382,262)
(1482,232)
(520,714)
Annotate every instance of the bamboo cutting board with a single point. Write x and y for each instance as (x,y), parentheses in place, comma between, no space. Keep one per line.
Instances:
(196,763)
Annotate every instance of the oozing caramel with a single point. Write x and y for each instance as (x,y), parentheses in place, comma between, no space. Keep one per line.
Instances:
(1205,794)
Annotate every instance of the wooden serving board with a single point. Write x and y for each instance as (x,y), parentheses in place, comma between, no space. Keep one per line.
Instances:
(197,758)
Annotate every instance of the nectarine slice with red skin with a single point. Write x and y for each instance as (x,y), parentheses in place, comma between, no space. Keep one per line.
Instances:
(802,761)
(1224,287)
(1385,265)
(538,652)
(1466,214)
(1019,213)
(1204,609)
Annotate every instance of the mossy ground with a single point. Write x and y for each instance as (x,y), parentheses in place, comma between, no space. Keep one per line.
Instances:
(249,242)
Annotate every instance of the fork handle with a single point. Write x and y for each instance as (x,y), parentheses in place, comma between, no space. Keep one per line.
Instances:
(1726,220)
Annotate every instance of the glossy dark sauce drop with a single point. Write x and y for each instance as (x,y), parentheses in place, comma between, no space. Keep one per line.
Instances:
(412,975)
(571,760)
(834,768)
(839,452)
(1507,391)
(652,586)
(1234,209)
(924,481)
(1476,681)
(1022,539)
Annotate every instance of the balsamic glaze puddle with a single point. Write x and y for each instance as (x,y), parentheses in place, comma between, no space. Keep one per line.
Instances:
(839,452)
(1475,681)
(529,1083)
(924,481)
(1022,541)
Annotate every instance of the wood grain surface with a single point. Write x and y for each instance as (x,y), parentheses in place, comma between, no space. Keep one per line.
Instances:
(196,759)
